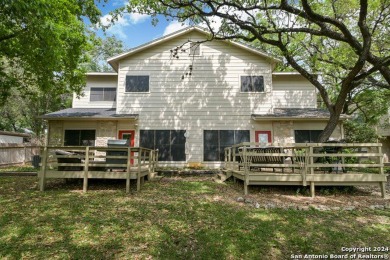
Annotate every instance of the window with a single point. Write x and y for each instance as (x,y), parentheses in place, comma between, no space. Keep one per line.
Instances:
(307,136)
(170,143)
(215,142)
(194,49)
(79,138)
(137,83)
(252,84)
(103,94)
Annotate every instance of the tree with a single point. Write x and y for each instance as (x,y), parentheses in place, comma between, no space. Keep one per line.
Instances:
(341,47)
(21,111)
(101,50)
(42,44)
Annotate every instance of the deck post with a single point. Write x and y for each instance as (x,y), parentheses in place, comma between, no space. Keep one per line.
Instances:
(155,156)
(143,163)
(234,159)
(150,160)
(382,184)
(312,189)
(139,170)
(230,159)
(86,166)
(225,158)
(150,165)
(42,179)
(128,170)
(246,180)
(311,162)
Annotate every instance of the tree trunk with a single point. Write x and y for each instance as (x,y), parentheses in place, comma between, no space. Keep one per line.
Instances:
(330,127)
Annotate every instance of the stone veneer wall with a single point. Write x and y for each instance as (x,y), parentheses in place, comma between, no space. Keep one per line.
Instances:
(283,132)
(106,130)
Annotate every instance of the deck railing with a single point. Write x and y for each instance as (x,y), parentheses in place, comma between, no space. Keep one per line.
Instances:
(343,163)
(97,162)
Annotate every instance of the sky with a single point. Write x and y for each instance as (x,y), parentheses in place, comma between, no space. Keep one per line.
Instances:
(134,29)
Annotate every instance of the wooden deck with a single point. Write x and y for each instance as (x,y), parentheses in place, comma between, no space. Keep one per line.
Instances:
(311,164)
(132,163)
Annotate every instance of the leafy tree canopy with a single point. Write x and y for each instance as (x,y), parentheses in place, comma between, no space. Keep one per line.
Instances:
(103,48)
(42,44)
(20,110)
(341,47)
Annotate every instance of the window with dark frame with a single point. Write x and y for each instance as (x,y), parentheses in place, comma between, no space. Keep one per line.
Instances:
(137,83)
(170,143)
(79,138)
(215,142)
(307,136)
(194,49)
(103,94)
(252,84)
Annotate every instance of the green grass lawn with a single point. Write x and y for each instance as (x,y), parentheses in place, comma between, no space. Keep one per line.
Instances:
(171,219)
(18,168)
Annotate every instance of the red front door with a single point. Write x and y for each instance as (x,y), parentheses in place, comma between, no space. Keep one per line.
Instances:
(129,135)
(263,137)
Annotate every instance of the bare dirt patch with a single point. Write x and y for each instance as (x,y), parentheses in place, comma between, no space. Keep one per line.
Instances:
(356,197)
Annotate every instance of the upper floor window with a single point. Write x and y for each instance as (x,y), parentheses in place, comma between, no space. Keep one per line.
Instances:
(194,49)
(137,83)
(252,84)
(103,94)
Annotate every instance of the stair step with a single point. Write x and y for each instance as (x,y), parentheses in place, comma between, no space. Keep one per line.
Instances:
(218,180)
(222,176)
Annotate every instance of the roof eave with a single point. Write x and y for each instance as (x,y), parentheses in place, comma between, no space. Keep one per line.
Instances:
(135,117)
(275,118)
(101,74)
(88,118)
(113,61)
(291,118)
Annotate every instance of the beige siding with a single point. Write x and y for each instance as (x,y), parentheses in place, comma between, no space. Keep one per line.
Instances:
(293,91)
(209,99)
(95,82)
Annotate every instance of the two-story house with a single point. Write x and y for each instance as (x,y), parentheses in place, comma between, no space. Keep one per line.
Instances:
(190,98)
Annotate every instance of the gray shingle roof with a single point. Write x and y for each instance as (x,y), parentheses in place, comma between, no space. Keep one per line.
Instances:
(297,113)
(92,113)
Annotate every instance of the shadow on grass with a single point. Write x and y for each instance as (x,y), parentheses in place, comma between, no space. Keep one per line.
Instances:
(300,190)
(169,220)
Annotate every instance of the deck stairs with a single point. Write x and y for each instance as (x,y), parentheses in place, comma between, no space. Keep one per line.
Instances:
(222,176)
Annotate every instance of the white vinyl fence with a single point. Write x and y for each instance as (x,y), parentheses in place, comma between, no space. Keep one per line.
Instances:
(17,153)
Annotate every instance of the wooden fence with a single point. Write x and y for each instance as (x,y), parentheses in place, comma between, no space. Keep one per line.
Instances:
(97,162)
(11,154)
(306,164)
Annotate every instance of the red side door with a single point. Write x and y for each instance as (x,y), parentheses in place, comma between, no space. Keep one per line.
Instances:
(129,135)
(263,137)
